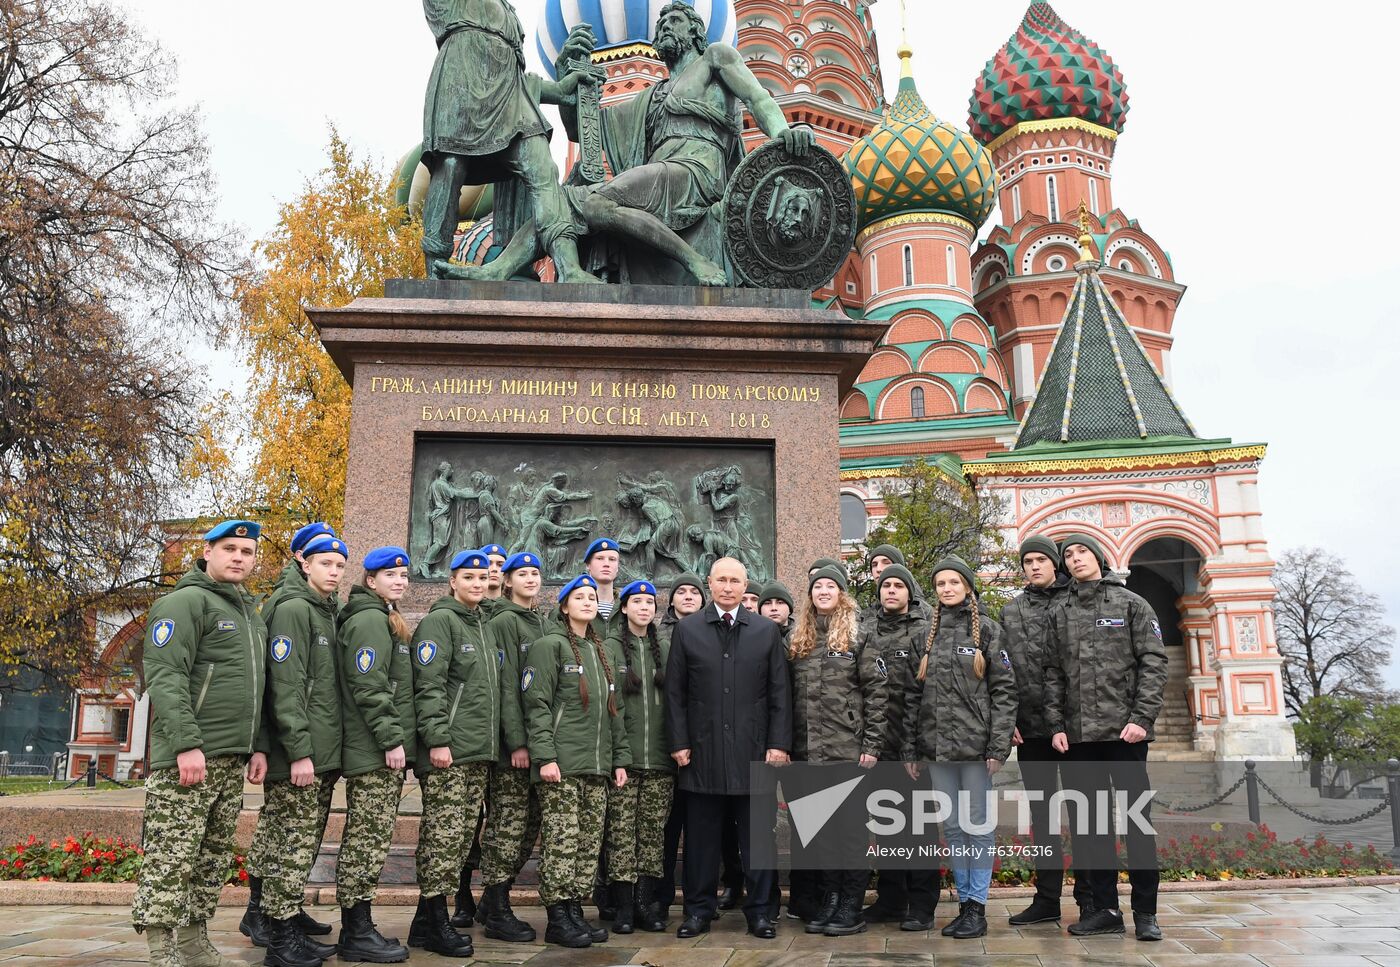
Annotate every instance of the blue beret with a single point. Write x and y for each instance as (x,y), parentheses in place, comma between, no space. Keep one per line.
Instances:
(326,544)
(601,544)
(496,549)
(234,528)
(470,559)
(382,557)
(304,536)
(523,559)
(637,587)
(582,581)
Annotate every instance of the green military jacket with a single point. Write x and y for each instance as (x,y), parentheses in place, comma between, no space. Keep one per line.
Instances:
(838,702)
(1025,625)
(952,715)
(583,741)
(646,710)
(303,681)
(895,637)
(1111,667)
(515,629)
(203,665)
(376,685)
(456,684)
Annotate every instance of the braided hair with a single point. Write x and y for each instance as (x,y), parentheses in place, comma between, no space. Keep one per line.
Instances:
(578,660)
(658,676)
(979,661)
(602,653)
(632,684)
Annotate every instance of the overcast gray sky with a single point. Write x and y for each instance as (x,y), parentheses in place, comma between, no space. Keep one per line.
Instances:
(1258,150)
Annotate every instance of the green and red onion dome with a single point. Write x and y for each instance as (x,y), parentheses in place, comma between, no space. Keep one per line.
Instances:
(1047,70)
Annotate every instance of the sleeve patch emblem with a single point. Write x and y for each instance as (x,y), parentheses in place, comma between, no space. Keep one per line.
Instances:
(162,631)
(281,648)
(1005,659)
(527,678)
(1157,630)
(882,668)
(427,651)
(500,658)
(364,660)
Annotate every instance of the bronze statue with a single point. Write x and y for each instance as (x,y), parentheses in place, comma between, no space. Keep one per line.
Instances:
(482,124)
(672,150)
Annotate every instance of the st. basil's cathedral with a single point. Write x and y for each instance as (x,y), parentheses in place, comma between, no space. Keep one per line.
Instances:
(1036,361)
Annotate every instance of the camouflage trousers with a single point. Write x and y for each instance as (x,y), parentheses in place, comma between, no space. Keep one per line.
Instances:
(452,799)
(287,839)
(512,825)
(187,832)
(571,817)
(371,808)
(637,814)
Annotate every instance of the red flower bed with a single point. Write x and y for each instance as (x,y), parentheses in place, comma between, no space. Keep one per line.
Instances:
(88,859)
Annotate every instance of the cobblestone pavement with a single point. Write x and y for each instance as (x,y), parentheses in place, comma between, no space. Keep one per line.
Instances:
(1330,927)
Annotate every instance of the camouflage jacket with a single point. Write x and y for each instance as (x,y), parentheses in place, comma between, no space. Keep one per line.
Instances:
(895,637)
(1025,625)
(456,684)
(952,715)
(1112,665)
(303,681)
(838,703)
(376,685)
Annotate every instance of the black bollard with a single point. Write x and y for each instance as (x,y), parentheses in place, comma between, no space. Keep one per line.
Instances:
(1392,769)
(92,774)
(1251,789)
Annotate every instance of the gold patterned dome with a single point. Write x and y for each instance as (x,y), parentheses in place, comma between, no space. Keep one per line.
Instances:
(914,162)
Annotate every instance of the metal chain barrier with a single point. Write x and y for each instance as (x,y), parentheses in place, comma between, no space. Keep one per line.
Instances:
(1174,808)
(1379,808)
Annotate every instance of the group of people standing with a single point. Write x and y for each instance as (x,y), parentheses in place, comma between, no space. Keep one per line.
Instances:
(596,724)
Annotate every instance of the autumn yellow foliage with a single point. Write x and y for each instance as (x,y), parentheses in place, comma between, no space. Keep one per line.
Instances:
(340,239)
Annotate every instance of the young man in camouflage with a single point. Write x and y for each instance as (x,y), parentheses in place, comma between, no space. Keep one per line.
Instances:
(303,750)
(1101,699)
(1025,624)
(203,664)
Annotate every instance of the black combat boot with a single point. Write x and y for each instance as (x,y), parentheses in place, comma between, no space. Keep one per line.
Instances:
(953,924)
(562,930)
(601,898)
(974,922)
(1145,926)
(596,933)
(360,940)
(502,923)
(828,910)
(847,919)
(254,923)
(443,938)
(464,911)
(1041,910)
(647,912)
(624,897)
(418,929)
(310,926)
(286,947)
(323,950)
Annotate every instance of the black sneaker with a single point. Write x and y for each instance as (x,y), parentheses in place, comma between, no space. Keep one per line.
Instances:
(1145,926)
(1041,910)
(1099,923)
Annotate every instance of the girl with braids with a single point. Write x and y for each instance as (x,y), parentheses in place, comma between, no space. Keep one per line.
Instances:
(637,810)
(577,737)
(838,716)
(377,723)
(959,713)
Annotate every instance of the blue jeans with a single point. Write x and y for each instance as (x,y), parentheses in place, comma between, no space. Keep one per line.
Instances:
(972,860)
